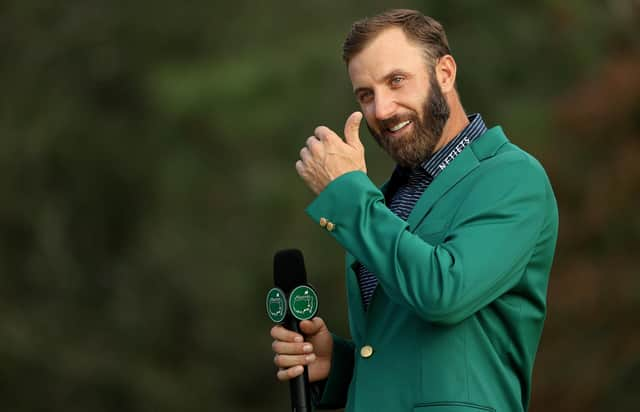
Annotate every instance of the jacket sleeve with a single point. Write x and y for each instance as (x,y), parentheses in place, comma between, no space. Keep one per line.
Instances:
(334,390)
(491,237)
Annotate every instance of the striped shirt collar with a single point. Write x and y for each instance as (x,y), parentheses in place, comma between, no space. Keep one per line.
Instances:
(441,159)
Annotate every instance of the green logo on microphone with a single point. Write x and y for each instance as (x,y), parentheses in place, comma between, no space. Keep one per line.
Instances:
(303,302)
(276,305)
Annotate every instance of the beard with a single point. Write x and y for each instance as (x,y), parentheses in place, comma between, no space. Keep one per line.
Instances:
(411,149)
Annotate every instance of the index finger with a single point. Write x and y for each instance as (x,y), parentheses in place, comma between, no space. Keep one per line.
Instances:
(280,333)
(324,133)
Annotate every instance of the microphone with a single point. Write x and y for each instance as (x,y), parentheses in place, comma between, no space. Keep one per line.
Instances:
(289,302)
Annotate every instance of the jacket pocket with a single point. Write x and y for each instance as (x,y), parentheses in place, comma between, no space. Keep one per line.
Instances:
(451,407)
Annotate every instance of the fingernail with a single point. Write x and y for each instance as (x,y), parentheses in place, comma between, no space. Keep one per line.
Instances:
(297,339)
(307,348)
(310,358)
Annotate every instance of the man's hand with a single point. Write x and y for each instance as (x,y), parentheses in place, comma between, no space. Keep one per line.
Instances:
(326,156)
(292,352)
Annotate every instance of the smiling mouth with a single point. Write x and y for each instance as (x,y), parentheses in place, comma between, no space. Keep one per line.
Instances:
(399,126)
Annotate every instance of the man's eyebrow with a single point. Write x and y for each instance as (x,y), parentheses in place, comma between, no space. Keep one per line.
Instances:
(386,77)
(360,90)
(394,72)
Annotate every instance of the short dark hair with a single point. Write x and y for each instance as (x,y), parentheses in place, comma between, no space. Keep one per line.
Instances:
(422,29)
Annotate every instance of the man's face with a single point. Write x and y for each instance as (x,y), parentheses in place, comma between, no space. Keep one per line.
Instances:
(399,96)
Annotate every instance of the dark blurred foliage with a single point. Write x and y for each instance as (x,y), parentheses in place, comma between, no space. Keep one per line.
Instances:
(147,157)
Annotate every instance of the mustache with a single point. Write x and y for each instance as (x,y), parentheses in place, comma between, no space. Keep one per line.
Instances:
(394,120)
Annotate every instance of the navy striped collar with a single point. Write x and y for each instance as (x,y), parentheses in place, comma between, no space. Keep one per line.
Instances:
(441,159)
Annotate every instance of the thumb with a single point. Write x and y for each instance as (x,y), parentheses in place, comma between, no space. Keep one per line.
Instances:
(313,326)
(352,129)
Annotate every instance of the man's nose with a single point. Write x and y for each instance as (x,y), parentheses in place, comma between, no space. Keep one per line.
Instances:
(385,106)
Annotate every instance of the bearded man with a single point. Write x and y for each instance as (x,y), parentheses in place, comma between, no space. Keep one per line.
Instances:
(448,263)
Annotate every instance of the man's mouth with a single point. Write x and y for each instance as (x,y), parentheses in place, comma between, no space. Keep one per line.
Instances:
(399,126)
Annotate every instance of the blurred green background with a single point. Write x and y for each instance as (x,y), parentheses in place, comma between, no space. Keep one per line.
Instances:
(147,157)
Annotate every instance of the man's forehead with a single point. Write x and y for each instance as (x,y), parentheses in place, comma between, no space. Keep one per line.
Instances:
(390,50)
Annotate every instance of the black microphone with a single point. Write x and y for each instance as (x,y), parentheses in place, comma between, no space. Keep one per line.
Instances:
(290,277)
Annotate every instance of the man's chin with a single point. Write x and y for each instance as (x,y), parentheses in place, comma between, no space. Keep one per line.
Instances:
(409,157)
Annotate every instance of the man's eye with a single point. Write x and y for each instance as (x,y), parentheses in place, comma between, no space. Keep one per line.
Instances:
(397,80)
(364,97)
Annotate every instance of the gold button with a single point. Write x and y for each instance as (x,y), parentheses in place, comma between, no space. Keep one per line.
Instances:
(323,222)
(330,226)
(366,351)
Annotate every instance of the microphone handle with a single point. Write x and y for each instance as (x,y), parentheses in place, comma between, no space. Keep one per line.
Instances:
(299,386)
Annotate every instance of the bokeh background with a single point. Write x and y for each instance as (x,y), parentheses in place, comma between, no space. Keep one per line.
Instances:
(147,177)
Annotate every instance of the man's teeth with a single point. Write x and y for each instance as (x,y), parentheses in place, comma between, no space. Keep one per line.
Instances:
(399,126)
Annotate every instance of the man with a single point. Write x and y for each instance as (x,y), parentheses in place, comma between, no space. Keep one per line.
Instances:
(448,263)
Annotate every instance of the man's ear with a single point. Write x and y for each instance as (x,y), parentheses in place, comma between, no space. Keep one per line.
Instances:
(446,73)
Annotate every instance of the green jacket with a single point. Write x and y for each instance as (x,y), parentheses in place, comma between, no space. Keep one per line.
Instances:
(456,319)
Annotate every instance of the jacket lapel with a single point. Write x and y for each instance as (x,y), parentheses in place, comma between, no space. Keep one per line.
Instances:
(356,311)
(464,163)
(486,145)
